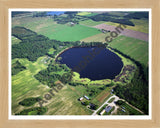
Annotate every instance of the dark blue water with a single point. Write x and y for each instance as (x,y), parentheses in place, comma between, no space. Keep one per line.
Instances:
(55,13)
(101,64)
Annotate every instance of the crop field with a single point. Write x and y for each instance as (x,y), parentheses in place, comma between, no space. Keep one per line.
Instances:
(67,33)
(51,29)
(65,97)
(15,40)
(36,71)
(140,25)
(65,102)
(135,48)
(98,37)
(91,22)
(25,79)
(126,32)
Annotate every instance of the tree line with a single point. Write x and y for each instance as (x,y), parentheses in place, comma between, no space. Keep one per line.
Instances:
(17,67)
(136,92)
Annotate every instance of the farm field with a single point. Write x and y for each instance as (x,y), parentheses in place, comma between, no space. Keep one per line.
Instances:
(126,32)
(35,89)
(25,79)
(83,13)
(62,32)
(91,22)
(140,25)
(98,37)
(37,63)
(135,48)
(74,33)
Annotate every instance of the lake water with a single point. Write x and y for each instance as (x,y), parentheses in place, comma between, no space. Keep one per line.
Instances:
(105,65)
(55,13)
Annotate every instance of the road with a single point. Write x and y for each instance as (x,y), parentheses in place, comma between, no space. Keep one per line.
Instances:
(106,102)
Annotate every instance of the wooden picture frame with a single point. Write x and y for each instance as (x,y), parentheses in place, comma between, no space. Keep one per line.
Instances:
(5,122)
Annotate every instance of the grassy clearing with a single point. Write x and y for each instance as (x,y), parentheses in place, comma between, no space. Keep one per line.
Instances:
(134,48)
(24,85)
(51,51)
(96,38)
(141,25)
(83,13)
(92,14)
(91,22)
(65,102)
(15,40)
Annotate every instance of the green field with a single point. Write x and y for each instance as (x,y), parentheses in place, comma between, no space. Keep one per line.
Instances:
(24,85)
(15,40)
(83,13)
(67,33)
(96,38)
(91,22)
(63,32)
(92,14)
(141,25)
(132,47)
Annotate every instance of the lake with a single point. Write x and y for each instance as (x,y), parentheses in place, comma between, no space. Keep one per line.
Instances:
(55,13)
(105,65)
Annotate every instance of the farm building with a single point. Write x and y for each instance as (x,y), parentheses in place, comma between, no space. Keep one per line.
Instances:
(81,98)
(108,108)
(86,97)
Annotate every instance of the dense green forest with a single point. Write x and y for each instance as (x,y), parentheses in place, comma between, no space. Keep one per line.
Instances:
(17,13)
(33,111)
(17,67)
(137,15)
(120,19)
(53,73)
(135,92)
(71,17)
(29,101)
(33,45)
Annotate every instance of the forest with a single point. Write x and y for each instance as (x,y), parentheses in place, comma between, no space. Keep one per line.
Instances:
(17,67)
(29,101)
(33,111)
(135,92)
(53,73)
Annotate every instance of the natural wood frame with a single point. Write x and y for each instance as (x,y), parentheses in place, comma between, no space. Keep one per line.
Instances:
(4,9)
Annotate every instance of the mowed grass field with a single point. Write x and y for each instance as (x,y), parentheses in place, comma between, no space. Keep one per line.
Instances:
(96,38)
(141,25)
(63,32)
(83,13)
(24,85)
(91,22)
(74,33)
(135,48)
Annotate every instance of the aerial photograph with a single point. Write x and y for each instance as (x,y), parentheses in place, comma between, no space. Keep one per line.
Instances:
(79,63)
